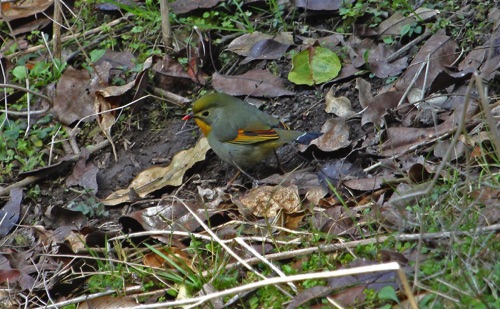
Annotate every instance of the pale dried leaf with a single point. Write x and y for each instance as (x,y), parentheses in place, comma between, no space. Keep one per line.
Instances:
(335,135)
(243,44)
(365,92)
(158,177)
(257,83)
(108,302)
(20,9)
(339,106)
(268,201)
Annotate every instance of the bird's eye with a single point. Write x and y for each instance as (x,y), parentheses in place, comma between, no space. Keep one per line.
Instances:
(205,114)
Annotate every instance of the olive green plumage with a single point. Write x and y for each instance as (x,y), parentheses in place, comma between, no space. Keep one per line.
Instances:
(240,133)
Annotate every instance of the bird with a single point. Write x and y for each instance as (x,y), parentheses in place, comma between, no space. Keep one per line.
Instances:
(240,133)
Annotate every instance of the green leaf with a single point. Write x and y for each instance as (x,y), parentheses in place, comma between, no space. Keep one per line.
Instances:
(388,40)
(96,54)
(36,141)
(314,65)
(387,292)
(405,29)
(19,72)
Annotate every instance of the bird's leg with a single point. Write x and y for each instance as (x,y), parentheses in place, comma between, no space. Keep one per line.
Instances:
(255,182)
(230,182)
(279,163)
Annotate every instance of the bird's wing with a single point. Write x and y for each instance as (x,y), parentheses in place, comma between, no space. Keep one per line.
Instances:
(254,136)
(244,131)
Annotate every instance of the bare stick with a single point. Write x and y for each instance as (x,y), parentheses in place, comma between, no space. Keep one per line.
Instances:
(73,36)
(397,54)
(170,97)
(492,123)
(56,28)
(32,179)
(166,31)
(25,90)
(454,140)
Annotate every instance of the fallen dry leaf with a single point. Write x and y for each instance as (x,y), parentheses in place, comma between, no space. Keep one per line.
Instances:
(84,174)
(108,302)
(393,25)
(377,109)
(440,50)
(315,194)
(321,5)
(266,49)
(59,216)
(75,93)
(365,92)
(9,213)
(378,64)
(242,45)
(339,106)
(105,100)
(293,220)
(257,83)
(369,184)
(335,136)
(12,10)
(173,215)
(183,6)
(268,201)
(157,177)
(303,178)
(162,257)
(366,51)
(334,171)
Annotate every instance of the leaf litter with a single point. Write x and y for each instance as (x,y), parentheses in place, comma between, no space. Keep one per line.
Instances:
(366,174)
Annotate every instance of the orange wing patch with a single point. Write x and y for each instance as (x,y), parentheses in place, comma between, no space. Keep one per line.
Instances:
(256,136)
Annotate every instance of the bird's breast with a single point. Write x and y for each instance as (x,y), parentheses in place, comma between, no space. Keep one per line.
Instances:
(205,128)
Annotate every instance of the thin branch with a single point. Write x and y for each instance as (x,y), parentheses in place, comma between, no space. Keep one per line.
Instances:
(73,36)
(166,30)
(25,90)
(32,179)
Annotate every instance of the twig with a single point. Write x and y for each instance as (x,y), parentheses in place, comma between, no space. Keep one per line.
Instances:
(444,160)
(85,55)
(77,125)
(397,54)
(5,95)
(170,97)
(56,28)
(28,105)
(28,91)
(218,240)
(166,30)
(411,149)
(353,244)
(265,261)
(32,179)
(200,236)
(83,298)
(52,143)
(73,36)
(413,81)
(488,115)
(274,281)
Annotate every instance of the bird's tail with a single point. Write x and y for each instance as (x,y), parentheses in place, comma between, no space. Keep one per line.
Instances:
(307,138)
